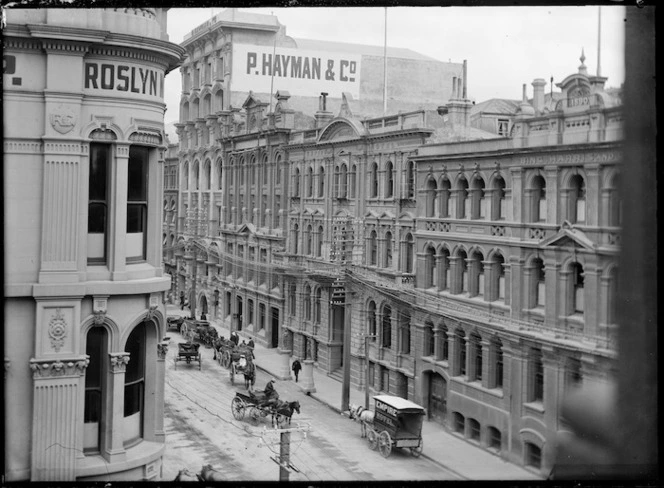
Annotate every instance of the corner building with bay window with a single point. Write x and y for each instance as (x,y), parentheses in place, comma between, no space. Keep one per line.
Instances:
(84,288)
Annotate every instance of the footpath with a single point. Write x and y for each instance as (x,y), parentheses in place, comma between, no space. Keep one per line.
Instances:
(448,449)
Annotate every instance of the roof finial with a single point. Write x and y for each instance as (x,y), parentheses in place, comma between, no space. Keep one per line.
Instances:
(583,56)
(582,67)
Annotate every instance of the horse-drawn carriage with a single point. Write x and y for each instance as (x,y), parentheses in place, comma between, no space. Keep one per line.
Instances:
(396,422)
(261,404)
(200,330)
(188,351)
(243,363)
(174,321)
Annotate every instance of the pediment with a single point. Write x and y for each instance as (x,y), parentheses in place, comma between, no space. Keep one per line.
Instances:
(247,229)
(569,237)
(252,101)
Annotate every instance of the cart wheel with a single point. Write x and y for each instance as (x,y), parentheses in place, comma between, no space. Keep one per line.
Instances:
(237,407)
(372,438)
(417,451)
(226,359)
(384,444)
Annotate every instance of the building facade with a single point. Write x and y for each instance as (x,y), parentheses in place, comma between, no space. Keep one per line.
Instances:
(84,314)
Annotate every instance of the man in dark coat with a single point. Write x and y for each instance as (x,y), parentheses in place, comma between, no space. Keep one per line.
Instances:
(235,338)
(250,343)
(296,367)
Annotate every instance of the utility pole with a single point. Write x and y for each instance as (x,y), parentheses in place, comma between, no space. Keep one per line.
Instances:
(366,369)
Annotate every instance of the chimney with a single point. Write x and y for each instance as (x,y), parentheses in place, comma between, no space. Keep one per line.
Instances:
(322,116)
(465,76)
(459,92)
(454,84)
(538,94)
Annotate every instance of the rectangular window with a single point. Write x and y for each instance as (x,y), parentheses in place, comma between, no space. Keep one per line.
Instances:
(503,127)
(542,210)
(100,162)
(137,203)
(580,210)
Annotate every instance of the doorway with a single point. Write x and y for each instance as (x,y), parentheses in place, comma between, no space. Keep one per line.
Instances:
(274,314)
(437,398)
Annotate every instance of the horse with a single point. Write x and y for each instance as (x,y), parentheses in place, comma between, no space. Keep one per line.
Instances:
(249,374)
(284,411)
(362,415)
(184,472)
(208,473)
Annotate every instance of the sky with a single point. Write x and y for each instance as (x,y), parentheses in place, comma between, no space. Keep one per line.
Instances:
(505,46)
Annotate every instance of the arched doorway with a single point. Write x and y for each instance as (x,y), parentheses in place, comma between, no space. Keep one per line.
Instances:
(437,398)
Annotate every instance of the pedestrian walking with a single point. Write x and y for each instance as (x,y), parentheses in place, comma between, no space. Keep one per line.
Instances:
(296,367)
(250,343)
(181,300)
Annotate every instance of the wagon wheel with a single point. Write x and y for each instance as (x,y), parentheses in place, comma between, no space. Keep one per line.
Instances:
(417,451)
(372,438)
(256,414)
(226,359)
(237,407)
(384,444)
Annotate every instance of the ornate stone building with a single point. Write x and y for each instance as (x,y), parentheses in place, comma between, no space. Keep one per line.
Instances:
(84,314)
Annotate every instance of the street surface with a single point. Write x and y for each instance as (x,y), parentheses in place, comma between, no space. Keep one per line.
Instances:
(200,429)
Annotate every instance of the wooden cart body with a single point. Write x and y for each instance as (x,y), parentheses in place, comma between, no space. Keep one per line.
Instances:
(188,352)
(397,423)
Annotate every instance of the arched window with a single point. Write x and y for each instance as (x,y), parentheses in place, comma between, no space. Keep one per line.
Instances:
(343,181)
(277,170)
(445,193)
(321,182)
(538,199)
(371,320)
(404,333)
(538,292)
(535,376)
(576,289)
(96,347)
(496,363)
(430,267)
(319,241)
(614,217)
(410,180)
(296,183)
(408,253)
(207,175)
(443,270)
(185,177)
(429,345)
(243,169)
(498,203)
(296,237)
(310,182)
(444,346)
(463,203)
(460,336)
(498,278)
(373,249)
(389,180)
(476,285)
(478,205)
(462,273)
(373,181)
(432,195)
(533,455)
(318,300)
(220,175)
(134,390)
(475,345)
(307,302)
(308,240)
(353,176)
(386,327)
(219,100)
(577,200)
(387,261)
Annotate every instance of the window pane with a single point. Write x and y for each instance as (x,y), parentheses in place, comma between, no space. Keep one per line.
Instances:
(136,217)
(137,185)
(99,155)
(96,218)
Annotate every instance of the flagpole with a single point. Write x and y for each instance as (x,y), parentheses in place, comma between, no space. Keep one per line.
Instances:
(385,68)
(274,53)
(599,38)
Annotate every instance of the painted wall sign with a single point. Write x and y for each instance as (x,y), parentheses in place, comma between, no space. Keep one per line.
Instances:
(123,78)
(307,73)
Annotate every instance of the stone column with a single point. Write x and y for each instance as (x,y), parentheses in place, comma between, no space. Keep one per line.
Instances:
(113,447)
(552,210)
(307,384)
(57,386)
(162,352)
(486,362)
(284,364)
(118,214)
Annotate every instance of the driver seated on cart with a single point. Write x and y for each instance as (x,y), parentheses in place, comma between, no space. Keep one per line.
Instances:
(242,362)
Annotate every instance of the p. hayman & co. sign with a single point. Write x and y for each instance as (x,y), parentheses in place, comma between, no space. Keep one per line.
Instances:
(307,73)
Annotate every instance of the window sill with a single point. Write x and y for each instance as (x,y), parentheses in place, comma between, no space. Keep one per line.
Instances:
(534,407)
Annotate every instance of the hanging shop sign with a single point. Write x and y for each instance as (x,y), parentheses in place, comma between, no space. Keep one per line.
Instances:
(123,78)
(302,72)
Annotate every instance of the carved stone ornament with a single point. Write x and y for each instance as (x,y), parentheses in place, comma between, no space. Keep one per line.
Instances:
(119,361)
(162,350)
(46,368)
(57,330)
(99,317)
(63,119)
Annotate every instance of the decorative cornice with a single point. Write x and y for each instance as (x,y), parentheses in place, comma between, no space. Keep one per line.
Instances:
(44,368)
(118,361)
